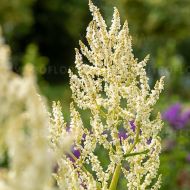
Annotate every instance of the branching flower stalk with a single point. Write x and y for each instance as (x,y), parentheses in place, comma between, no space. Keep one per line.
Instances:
(113,85)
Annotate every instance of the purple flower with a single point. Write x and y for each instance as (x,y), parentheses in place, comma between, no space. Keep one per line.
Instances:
(175,117)
(172,113)
(133,126)
(149,140)
(122,135)
(76,152)
(185,117)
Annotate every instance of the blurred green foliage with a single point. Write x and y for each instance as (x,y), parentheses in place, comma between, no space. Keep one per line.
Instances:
(16,17)
(175,162)
(16,20)
(32,56)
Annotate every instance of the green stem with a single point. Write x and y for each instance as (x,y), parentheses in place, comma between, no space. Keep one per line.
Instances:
(136,140)
(117,171)
(115,178)
(136,153)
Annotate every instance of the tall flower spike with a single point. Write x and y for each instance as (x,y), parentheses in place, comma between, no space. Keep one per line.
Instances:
(23,130)
(114,87)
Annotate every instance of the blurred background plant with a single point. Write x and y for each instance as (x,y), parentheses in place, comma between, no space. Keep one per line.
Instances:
(175,160)
(44,33)
(31,56)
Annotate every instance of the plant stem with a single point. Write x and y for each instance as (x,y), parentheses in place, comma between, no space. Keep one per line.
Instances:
(136,153)
(117,171)
(115,178)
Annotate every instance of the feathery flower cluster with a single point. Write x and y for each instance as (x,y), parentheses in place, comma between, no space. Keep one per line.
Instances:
(23,130)
(114,87)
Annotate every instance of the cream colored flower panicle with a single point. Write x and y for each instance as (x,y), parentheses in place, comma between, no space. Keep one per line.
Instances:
(113,85)
(23,130)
